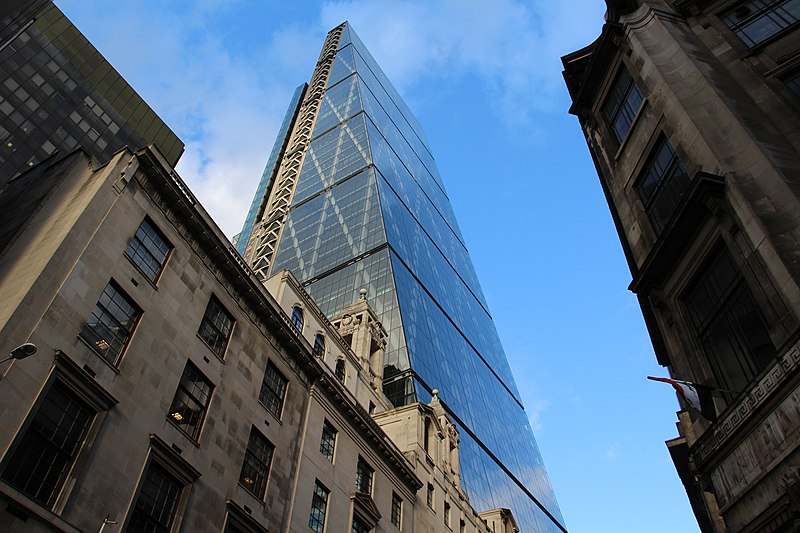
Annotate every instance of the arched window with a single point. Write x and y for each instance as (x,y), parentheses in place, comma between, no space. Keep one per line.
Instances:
(339,371)
(297,317)
(426,438)
(319,345)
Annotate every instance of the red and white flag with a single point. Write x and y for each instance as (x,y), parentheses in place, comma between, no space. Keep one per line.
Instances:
(698,397)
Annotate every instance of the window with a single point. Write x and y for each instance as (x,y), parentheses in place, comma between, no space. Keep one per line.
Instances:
(339,370)
(110,326)
(327,444)
(44,454)
(363,477)
(255,467)
(319,346)
(297,317)
(755,21)
(191,401)
(319,505)
(728,322)
(622,105)
(215,329)
(397,510)
(430,495)
(462,527)
(359,526)
(157,502)
(793,82)
(662,185)
(148,249)
(426,438)
(447,514)
(273,390)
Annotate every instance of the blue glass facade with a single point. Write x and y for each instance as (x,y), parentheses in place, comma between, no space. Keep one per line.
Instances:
(369,210)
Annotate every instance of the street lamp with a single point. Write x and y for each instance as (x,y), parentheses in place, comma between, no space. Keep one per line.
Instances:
(21,352)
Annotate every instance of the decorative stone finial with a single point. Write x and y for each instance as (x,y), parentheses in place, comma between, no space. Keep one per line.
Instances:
(435,393)
(362,294)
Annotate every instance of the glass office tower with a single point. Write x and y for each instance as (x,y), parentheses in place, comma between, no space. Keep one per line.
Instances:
(356,202)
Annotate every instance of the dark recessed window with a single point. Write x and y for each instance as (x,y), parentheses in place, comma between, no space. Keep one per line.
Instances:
(255,467)
(363,477)
(273,390)
(447,514)
(148,249)
(40,461)
(622,105)
(359,526)
(157,502)
(319,345)
(319,505)
(662,185)
(430,495)
(793,82)
(191,401)
(462,527)
(397,510)
(215,329)
(327,444)
(755,21)
(339,370)
(111,323)
(297,317)
(728,322)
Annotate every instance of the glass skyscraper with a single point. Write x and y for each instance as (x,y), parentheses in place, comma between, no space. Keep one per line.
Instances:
(350,199)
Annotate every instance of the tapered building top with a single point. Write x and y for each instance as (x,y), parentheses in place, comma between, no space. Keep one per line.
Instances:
(351,198)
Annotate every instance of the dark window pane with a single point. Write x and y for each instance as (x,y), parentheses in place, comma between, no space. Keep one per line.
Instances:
(319,345)
(191,401)
(359,526)
(327,444)
(728,322)
(44,454)
(363,477)
(339,370)
(156,503)
(297,317)
(148,249)
(397,510)
(255,468)
(756,21)
(215,329)
(273,390)
(662,185)
(111,323)
(622,105)
(319,505)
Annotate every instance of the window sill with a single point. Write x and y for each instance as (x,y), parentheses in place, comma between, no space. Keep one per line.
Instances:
(151,282)
(218,356)
(100,356)
(277,419)
(182,432)
(259,502)
(32,508)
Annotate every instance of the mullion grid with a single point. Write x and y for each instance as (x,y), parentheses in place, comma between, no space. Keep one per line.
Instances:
(319,506)
(273,390)
(191,401)
(111,323)
(148,249)
(157,501)
(327,445)
(215,329)
(255,467)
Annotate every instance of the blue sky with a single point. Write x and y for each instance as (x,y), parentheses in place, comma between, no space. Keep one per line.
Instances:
(484,80)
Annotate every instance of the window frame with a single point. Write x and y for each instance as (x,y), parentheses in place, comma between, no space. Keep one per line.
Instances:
(274,407)
(260,486)
(132,255)
(297,319)
(340,370)
(365,476)
(67,374)
(769,11)
(327,443)
(623,108)
(670,184)
(396,514)
(208,323)
(174,408)
(87,332)
(317,522)
(319,346)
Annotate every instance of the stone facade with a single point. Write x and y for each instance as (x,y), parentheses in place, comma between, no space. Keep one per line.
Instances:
(187,395)
(691,111)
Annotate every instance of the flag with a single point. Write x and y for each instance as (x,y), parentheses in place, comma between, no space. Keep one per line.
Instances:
(698,397)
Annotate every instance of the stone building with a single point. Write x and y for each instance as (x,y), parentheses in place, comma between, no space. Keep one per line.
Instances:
(173,391)
(691,111)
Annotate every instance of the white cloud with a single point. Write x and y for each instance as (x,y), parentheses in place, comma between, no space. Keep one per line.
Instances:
(535,411)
